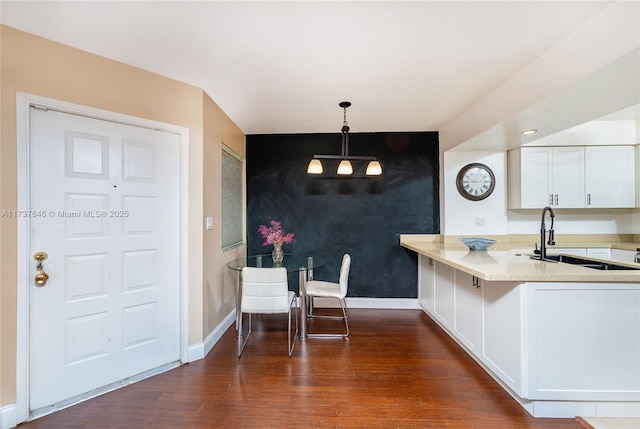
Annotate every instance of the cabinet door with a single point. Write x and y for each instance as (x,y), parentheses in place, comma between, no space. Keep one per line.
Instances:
(610,176)
(426,282)
(467,310)
(623,255)
(599,252)
(503,332)
(443,294)
(568,177)
(584,341)
(535,177)
(580,251)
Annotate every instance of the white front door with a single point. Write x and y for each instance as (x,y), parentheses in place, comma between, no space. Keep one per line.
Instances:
(105,207)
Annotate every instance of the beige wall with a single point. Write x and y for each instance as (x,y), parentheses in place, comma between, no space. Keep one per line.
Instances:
(219,295)
(38,66)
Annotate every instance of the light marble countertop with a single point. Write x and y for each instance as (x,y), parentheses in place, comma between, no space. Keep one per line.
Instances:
(508,262)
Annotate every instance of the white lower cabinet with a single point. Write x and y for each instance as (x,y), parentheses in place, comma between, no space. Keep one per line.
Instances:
(426,279)
(443,294)
(467,310)
(596,252)
(580,251)
(583,341)
(503,332)
(561,349)
(600,252)
(484,317)
(623,255)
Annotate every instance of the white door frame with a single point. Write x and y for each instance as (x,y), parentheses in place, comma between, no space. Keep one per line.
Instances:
(23,105)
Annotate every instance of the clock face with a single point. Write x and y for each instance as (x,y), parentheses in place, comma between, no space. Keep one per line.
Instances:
(475,181)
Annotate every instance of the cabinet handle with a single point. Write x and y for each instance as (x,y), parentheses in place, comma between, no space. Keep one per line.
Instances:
(550,199)
(430,261)
(476,282)
(556,198)
(588,199)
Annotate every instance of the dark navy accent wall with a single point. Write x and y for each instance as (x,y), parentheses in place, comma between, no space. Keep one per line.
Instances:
(362,216)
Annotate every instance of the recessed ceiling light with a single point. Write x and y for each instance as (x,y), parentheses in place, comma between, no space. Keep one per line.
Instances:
(527,132)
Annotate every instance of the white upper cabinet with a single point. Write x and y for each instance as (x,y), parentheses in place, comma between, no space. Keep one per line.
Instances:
(546,176)
(610,176)
(529,178)
(571,177)
(568,177)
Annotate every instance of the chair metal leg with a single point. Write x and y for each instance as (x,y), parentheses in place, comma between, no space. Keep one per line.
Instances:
(343,307)
(242,343)
(310,304)
(343,304)
(292,344)
(242,340)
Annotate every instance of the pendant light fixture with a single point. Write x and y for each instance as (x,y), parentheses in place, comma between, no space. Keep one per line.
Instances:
(345,168)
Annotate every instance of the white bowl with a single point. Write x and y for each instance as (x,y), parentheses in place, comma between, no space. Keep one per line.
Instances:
(477,243)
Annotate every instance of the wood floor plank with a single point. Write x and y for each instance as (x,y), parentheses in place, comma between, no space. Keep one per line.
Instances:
(397,369)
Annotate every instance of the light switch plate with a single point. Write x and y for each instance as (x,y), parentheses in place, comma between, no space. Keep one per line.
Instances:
(209,222)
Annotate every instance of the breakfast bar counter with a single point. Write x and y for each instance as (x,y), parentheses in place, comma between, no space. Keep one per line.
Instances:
(512,263)
(563,340)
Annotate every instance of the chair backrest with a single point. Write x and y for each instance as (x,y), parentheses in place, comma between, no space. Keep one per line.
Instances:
(264,290)
(344,274)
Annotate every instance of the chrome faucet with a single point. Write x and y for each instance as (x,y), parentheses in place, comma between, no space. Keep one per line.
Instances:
(551,242)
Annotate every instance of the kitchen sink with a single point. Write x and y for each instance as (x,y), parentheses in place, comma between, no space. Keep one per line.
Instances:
(588,263)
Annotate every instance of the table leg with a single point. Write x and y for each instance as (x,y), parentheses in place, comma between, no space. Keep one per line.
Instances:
(309,307)
(302,281)
(238,305)
(304,276)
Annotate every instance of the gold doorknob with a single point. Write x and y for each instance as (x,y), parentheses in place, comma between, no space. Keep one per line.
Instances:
(42,277)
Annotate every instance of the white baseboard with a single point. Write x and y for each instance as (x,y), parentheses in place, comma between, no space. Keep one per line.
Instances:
(199,351)
(603,409)
(380,303)
(217,333)
(8,417)
(196,352)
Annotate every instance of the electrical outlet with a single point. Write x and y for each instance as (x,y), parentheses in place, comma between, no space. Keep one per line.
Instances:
(479,221)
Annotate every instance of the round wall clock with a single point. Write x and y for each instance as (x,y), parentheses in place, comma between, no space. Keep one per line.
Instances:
(475,181)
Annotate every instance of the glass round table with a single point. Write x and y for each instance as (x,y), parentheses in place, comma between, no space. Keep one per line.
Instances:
(303,264)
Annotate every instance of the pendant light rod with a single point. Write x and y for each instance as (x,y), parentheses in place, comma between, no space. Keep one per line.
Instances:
(366,158)
(345,128)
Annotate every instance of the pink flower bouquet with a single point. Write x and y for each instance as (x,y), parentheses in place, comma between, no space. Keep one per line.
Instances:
(274,235)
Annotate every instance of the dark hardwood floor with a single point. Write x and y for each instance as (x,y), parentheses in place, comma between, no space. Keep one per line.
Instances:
(397,370)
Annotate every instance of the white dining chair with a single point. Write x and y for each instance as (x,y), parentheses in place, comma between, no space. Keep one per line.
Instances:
(266,291)
(324,289)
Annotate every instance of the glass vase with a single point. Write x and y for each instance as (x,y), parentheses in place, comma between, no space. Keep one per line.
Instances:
(277,255)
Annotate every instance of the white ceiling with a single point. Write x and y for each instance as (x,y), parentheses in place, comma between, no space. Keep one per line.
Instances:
(283,67)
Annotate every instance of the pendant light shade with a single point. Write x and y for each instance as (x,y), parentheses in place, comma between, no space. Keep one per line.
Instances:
(374,168)
(345,167)
(315,167)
